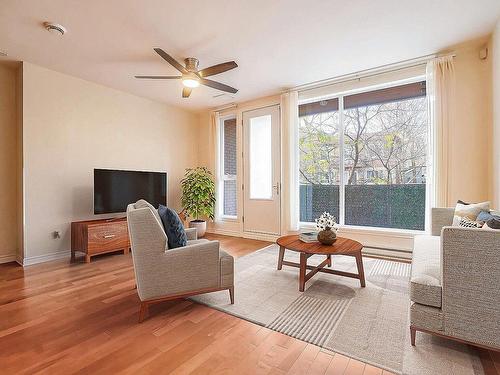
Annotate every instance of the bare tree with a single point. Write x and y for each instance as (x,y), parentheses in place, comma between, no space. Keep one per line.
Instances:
(358,120)
(319,148)
(397,141)
(389,137)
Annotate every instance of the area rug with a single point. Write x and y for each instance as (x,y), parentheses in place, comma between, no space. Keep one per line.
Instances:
(369,324)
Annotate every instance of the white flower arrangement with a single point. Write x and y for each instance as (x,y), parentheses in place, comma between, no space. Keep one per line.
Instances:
(325,222)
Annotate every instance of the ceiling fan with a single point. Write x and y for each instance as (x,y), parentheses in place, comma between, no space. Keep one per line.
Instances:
(192,77)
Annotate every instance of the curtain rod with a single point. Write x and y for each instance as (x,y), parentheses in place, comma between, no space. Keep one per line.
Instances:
(224,107)
(366,73)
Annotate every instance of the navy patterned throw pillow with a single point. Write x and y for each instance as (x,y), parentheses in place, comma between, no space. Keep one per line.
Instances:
(173,227)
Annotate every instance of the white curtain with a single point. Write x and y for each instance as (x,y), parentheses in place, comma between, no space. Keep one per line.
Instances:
(290,116)
(214,151)
(440,95)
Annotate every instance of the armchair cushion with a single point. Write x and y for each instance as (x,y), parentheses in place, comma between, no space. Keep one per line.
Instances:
(173,227)
(425,281)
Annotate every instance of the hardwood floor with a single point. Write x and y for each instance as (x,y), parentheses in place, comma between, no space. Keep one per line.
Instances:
(236,246)
(61,318)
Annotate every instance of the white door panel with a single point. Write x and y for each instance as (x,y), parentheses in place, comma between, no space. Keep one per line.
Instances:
(262,170)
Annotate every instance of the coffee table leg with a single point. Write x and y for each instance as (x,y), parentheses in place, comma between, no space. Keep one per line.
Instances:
(329,257)
(302,272)
(361,272)
(280,257)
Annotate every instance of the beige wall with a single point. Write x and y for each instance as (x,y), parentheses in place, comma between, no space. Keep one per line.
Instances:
(8,164)
(495,46)
(71,126)
(470,169)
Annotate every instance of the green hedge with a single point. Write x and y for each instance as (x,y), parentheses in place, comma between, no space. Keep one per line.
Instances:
(386,206)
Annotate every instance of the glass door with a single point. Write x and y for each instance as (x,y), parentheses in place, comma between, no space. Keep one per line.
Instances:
(261,168)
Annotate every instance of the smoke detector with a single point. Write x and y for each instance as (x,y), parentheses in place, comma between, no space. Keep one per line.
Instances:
(55,28)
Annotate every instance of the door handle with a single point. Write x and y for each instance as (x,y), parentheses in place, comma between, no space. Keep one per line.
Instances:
(109,236)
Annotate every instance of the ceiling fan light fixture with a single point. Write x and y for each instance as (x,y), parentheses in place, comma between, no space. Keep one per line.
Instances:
(190,82)
(192,77)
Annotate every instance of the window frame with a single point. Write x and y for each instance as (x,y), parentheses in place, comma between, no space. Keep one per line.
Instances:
(222,177)
(341,220)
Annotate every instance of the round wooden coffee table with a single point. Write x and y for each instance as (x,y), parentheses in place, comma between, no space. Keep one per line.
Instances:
(343,246)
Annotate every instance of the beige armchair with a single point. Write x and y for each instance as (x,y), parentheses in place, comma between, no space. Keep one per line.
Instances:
(455,281)
(164,274)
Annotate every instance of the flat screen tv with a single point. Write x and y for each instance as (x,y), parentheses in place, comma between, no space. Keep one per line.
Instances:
(115,189)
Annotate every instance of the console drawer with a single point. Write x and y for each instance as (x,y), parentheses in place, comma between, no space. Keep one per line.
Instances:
(107,237)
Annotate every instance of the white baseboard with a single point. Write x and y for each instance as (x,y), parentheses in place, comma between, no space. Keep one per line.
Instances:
(252,236)
(28,261)
(260,236)
(387,253)
(224,232)
(7,258)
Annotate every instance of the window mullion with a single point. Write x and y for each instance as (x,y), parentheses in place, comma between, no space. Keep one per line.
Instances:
(341,218)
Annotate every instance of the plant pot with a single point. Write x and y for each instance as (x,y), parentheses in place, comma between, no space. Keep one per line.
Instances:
(327,236)
(200,225)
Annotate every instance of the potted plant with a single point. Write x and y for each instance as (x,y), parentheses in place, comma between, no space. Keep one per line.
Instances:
(198,197)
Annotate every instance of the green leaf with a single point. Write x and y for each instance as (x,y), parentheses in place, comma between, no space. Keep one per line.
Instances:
(198,193)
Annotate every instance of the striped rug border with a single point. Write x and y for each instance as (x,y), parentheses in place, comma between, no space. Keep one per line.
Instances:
(310,319)
(390,268)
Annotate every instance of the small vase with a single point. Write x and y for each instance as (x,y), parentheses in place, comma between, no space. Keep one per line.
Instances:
(327,236)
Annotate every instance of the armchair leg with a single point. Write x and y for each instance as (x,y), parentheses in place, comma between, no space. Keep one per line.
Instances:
(143,311)
(413,333)
(231,295)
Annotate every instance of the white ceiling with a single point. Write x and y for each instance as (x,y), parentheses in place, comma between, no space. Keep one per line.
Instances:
(276,43)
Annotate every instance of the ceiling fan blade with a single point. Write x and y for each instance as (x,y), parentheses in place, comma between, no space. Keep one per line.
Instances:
(158,77)
(170,60)
(216,69)
(218,85)
(186,91)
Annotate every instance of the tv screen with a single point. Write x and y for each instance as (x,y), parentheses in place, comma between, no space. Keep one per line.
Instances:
(114,190)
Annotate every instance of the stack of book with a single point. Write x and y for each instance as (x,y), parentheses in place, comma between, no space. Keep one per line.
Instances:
(308,237)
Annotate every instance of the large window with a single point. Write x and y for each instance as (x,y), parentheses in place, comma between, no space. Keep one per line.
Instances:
(378,139)
(228,167)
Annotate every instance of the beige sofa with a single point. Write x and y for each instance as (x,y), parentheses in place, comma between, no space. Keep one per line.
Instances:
(455,283)
(162,273)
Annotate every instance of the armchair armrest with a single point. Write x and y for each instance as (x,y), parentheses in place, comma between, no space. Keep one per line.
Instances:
(183,269)
(191,234)
(441,217)
(471,280)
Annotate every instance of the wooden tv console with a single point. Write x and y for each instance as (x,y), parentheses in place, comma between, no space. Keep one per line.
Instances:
(94,237)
